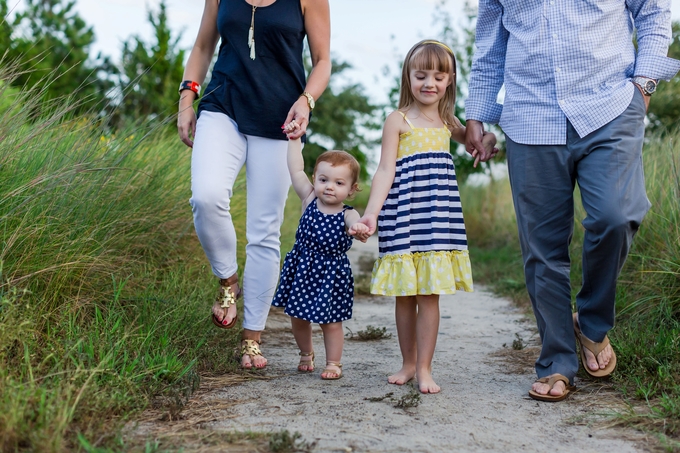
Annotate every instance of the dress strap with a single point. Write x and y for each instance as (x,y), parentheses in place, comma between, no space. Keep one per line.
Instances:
(406,119)
(346,207)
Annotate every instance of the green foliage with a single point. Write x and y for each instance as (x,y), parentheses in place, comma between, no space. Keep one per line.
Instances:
(341,119)
(104,291)
(53,41)
(664,108)
(5,28)
(150,72)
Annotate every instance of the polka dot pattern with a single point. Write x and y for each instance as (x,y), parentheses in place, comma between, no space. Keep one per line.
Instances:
(316,281)
(425,273)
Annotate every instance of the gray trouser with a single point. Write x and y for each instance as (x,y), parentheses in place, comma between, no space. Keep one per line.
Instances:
(607,164)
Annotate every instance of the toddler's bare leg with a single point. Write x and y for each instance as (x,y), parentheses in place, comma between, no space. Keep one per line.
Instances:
(334,341)
(302,331)
(405,313)
(427,329)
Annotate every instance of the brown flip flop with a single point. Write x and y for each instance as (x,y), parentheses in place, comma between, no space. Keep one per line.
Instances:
(551,382)
(585,343)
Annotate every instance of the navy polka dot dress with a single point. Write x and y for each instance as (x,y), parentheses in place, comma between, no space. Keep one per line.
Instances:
(316,281)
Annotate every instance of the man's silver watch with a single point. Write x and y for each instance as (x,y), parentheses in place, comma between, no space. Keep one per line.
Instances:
(647,85)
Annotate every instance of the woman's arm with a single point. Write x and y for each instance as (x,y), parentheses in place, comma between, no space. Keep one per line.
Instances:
(318,26)
(197,68)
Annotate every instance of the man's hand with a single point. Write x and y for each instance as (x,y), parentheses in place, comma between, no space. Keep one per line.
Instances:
(644,96)
(474,133)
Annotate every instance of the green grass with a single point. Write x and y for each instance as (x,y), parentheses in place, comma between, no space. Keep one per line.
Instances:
(104,290)
(647,332)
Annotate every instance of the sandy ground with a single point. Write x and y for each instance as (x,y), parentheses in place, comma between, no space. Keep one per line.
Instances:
(483,405)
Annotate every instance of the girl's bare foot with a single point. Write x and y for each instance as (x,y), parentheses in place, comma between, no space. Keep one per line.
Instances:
(402,376)
(426,384)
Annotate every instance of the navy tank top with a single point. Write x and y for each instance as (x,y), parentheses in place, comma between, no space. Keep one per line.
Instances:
(258,93)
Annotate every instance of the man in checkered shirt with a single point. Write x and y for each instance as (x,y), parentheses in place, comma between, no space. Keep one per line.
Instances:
(576,95)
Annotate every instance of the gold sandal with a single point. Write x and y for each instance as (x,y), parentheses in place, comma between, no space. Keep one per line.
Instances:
(308,363)
(251,348)
(226,298)
(328,370)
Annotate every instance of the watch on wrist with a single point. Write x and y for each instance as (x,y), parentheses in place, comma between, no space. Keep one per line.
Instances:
(310,100)
(647,85)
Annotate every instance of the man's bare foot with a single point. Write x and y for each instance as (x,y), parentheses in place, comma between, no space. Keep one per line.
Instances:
(602,360)
(557,389)
(426,384)
(224,315)
(402,376)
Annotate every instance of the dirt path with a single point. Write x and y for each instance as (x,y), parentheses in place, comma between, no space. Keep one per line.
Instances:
(483,405)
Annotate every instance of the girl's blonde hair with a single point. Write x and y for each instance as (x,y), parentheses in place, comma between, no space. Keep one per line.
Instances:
(430,54)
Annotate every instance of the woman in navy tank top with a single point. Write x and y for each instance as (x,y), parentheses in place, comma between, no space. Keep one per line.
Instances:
(257,85)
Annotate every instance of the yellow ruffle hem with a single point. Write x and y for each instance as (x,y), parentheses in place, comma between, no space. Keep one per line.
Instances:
(424,273)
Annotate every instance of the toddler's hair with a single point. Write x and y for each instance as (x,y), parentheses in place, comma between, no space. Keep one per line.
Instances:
(430,54)
(336,158)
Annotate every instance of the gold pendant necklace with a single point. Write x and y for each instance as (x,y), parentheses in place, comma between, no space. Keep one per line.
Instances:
(251,34)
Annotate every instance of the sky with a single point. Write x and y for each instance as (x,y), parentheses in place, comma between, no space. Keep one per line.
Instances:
(369,34)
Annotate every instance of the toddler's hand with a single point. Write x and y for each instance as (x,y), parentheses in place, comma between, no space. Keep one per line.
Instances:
(290,129)
(360,231)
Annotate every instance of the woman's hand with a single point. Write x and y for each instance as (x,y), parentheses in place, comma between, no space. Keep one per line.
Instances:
(299,113)
(186,123)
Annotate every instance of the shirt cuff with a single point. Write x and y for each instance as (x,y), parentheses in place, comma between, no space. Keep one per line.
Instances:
(486,112)
(656,67)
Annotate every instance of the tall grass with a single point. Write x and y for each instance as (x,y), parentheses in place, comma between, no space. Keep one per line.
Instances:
(647,335)
(104,290)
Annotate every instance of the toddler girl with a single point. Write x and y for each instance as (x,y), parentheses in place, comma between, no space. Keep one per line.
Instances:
(422,241)
(316,283)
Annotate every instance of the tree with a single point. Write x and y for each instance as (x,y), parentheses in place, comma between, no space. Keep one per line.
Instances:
(341,119)
(149,73)
(664,108)
(52,44)
(5,29)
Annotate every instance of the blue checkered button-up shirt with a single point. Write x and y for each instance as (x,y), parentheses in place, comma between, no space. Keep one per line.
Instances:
(564,60)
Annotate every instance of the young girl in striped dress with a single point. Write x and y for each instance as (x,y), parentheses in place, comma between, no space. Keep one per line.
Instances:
(423,247)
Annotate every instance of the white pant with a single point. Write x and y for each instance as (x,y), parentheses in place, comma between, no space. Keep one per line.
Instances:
(219,152)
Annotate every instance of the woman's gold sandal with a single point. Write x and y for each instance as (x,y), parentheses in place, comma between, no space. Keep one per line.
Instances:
(308,363)
(226,298)
(251,348)
(328,370)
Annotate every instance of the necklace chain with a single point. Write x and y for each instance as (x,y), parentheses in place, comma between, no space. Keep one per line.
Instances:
(423,113)
(251,34)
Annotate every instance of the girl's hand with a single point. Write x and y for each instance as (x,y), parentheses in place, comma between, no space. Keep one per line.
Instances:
(186,125)
(299,113)
(370,222)
(489,142)
(360,231)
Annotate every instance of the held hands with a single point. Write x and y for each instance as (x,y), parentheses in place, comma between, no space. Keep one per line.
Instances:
(359,230)
(299,114)
(479,144)
(363,228)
